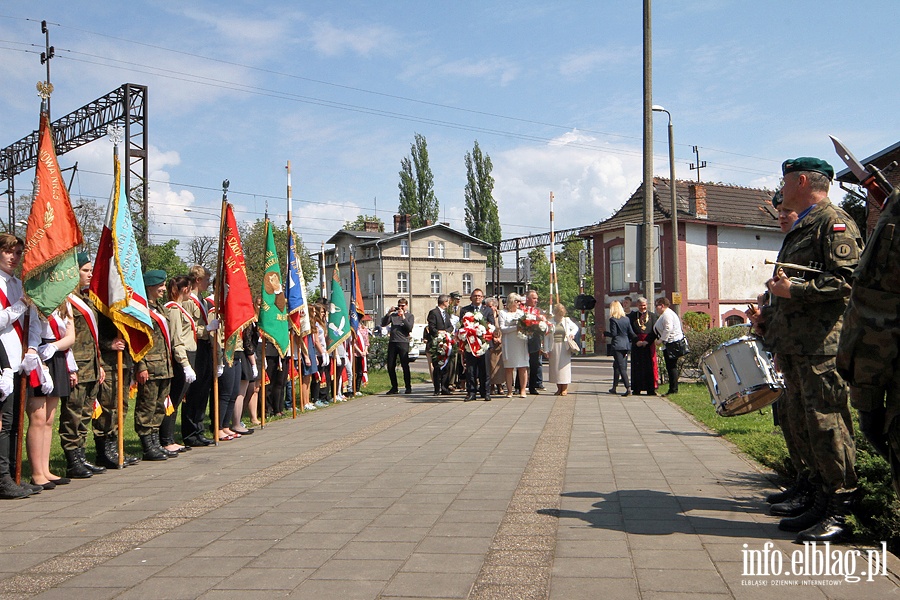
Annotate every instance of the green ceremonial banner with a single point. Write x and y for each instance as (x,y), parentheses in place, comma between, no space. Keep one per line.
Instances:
(48,287)
(273,321)
(338,318)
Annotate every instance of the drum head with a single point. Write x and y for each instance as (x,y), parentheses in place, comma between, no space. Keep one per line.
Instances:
(748,402)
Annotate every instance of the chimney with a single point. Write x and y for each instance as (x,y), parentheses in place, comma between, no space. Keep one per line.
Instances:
(402,223)
(697,200)
(371,226)
(397,224)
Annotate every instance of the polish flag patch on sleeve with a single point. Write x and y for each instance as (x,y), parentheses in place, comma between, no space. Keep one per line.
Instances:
(840,227)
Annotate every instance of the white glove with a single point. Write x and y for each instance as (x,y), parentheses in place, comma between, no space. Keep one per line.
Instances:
(46,351)
(30,362)
(213,325)
(189,375)
(326,360)
(18,309)
(255,371)
(6,383)
(46,380)
(220,371)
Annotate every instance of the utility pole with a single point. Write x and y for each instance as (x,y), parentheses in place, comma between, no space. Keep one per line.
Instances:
(648,154)
(700,164)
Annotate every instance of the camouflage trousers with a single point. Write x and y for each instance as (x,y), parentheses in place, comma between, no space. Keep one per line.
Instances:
(879,414)
(818,415)
(107,422)
(150,407)
(75,414)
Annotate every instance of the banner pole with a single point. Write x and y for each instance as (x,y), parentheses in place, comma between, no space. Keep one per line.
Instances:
(120,407)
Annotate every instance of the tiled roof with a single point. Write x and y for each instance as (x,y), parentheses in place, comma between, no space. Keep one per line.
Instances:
(880,159)
(725,205)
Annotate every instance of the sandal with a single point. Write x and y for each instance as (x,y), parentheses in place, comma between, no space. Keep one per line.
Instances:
(226,438)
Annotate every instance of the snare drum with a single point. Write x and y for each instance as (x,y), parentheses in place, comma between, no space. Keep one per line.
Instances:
(741,377)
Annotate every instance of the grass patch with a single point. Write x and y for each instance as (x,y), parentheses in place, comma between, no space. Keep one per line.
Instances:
(876,517)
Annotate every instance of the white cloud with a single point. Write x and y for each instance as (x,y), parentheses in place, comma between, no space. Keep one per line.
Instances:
(587,184)
(363,40)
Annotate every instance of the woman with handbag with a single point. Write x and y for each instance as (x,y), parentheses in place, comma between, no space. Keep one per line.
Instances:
(560,344)
(619,337)
(670,334)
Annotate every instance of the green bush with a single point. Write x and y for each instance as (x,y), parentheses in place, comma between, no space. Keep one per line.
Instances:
(699,343)
(377,355)
(696,321)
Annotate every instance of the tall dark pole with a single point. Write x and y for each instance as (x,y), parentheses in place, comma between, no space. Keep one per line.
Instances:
(648,154)
(676,306)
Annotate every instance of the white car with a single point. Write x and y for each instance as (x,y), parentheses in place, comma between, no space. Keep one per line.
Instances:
(417,337)
(413,353)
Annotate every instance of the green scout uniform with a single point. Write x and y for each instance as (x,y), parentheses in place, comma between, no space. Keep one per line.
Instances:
(149,408)
(870,343)
(106,424)
(804,331)
(75,411)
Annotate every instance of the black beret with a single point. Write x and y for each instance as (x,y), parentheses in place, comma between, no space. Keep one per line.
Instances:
(807,163)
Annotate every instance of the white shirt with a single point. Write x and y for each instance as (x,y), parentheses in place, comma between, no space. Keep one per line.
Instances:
(12,287)
(668,327)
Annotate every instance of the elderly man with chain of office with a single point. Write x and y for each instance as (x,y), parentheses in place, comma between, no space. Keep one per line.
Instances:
(804,323)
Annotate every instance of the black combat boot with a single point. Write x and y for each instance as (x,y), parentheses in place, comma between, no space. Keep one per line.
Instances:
(808,518)
(797,503)
(169,453)
(104,457)
(833,527)
(786,494)
(152,451)
(95,469)
(75,469)
(112,449)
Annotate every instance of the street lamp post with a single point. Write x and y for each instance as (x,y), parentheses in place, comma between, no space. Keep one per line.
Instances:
(675,288)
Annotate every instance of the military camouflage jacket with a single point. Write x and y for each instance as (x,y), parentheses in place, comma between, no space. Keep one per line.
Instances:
(870,342)
(157,362)
(809,322)
(85,348)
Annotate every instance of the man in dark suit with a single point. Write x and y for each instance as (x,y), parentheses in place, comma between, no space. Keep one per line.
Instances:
(439,320)
(476,366)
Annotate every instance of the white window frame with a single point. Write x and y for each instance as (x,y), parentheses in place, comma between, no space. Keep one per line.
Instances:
(373,286)
(441,250)
(468,284)
(617,268)
(467,250)
(404,247)
(436,281)
(430,249)
(402,282)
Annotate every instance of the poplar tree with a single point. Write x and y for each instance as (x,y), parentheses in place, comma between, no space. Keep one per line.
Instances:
(482,216)
(416,185)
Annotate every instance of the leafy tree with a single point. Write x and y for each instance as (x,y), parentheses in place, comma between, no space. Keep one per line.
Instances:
(417,185)
(163,256)
(89,215)
(539,277)
(567,271)
(482,216)
(856,208)
(360,223)
(253,239)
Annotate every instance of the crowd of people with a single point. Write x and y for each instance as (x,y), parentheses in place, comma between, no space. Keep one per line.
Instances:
(70,363)
(484,350)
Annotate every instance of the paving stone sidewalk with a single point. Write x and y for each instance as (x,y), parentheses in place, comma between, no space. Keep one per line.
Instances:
(585,496)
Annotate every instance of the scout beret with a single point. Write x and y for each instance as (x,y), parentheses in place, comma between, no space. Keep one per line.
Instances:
(83,258)
(154,277)
(455,295)
(777,199)
(807,163)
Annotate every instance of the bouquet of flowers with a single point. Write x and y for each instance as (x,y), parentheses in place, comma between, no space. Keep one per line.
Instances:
(474,333)
(441,347)
(532,323)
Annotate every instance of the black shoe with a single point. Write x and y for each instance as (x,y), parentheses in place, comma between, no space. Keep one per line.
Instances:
(43,486)
(487,398)
(152,452)
(193,442)
(62,481)
(445,392)
(612,391)
(833,527)
(74,467)
(391,392)
(786,494)
(408,391)
(796,504)
(626,394)
(33,487)
(540,387)
(808,518)
(469,398)
(95,469)
(533,392)
(9,490)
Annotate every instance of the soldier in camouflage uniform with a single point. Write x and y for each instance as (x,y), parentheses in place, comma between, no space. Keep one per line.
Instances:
(153,373)
(76,409)
(870,342)
(806,313)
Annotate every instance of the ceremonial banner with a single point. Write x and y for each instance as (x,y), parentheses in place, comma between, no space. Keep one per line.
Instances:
(298,312)
(338,319)
(117,287)
(50,267)
(357,310)
(273,321)
(238,311)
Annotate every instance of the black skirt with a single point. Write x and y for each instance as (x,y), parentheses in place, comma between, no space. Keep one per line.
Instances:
(59,373)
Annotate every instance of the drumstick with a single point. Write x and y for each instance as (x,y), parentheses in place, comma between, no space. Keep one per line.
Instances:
(793,266)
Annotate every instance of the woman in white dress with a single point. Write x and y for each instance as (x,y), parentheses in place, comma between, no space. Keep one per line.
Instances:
(562,328)
(514,344)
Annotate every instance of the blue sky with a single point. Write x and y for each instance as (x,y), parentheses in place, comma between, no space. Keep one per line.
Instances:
(551,91)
